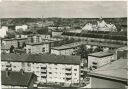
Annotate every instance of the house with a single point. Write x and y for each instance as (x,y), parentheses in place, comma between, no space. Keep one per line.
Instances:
(21,79)
(98,59)
(49,68)
(22,28)
(35,48)
(112,75)
(16,42)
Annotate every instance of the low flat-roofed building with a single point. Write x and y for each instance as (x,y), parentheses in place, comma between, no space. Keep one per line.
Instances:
(35,48)
(48,67)
(99,59)
(11,79)
(112,75)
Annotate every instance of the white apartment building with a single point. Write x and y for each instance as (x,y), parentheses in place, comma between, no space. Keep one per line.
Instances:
(48,68)
(36,48)
(67,49)
(99,59)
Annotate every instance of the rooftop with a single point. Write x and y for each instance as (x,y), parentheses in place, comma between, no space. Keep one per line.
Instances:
(41,58)
(123,48)
(39,43)
(14,39)
(15,78)
(101,54)
(116,70)
(72,45)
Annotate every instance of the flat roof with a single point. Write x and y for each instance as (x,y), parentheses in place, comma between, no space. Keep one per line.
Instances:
(116,70)
(14,39)
(75,44)
(39,43)
(101,54)
(123,48)
(41,58)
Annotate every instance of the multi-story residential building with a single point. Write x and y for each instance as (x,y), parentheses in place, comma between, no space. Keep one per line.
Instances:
(14,41)
(38,38)
(49,68)
(99,59)
(67,49)
(35,48)
(112,75)
(12,79)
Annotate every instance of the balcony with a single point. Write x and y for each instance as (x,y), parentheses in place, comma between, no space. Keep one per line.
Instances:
(68,69)
(44,67)
(68,73)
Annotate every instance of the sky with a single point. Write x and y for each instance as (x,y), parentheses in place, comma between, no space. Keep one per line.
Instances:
(64,9)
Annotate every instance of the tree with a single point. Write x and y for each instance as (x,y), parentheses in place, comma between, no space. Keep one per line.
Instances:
(12,49)
(82,51)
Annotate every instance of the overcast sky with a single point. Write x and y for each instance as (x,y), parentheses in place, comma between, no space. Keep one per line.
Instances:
(80,9)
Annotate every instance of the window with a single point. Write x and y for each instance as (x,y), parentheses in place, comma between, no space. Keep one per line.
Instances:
(43,49)
(50,72)
(75,69)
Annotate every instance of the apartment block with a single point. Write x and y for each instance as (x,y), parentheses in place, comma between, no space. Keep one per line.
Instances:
(49,68)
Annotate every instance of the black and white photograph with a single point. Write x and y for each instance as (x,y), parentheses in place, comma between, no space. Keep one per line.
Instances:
(63,44)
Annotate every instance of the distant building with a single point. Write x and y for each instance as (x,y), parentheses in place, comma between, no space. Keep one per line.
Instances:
(35,48)
(98,59)
(56,33)
(100,26)
(14,41)
(49,68)
(112,75)
(22,28)
(3,31)
(11,79)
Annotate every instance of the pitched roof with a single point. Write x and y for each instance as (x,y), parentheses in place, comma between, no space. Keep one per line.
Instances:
(41,58)
(116,70)
(16,78)
(101,54)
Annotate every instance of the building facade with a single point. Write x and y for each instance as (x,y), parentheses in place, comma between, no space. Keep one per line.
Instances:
(48,68)
(99,59)
(36,48)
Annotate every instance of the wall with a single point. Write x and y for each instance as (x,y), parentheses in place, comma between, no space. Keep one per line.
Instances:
(100,61)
